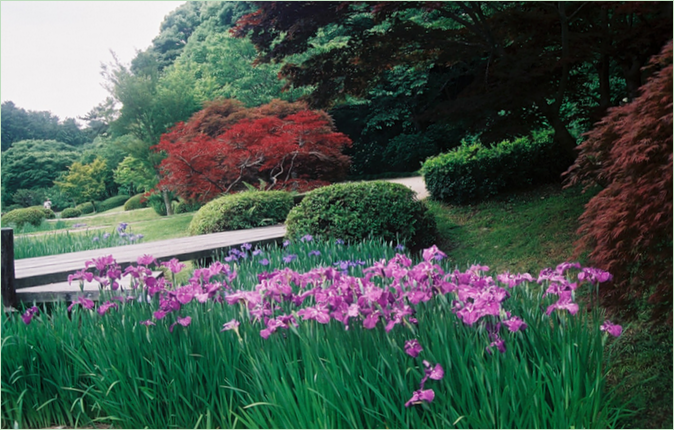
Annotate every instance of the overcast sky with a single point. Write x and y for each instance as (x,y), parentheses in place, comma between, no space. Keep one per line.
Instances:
(52,51)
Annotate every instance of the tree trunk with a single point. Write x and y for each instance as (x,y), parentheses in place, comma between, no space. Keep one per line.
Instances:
(167,202)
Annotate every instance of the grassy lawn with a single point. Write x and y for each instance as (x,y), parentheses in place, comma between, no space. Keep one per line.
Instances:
(522,231)
(141,221)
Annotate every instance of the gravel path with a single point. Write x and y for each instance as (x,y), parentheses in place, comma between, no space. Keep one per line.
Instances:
(416,183)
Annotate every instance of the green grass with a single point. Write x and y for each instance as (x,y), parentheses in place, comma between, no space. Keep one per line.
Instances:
(60,236)
(521,231)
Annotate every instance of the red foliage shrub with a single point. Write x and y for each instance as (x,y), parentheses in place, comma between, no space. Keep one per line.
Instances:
(628,225)
(224,145)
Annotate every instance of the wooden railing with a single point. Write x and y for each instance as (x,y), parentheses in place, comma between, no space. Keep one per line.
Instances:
(50,274)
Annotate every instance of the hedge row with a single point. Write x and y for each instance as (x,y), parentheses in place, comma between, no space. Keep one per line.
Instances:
(473,172)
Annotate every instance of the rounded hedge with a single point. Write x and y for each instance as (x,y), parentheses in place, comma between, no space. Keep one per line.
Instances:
(85,208)
(244,210)
(48,213)
(20,217)
(357,211)
(135,202)
(111,203)
(70,213)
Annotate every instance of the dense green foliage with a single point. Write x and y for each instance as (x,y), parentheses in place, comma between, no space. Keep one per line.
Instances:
(48,213)
(248,209)
(136,202)
(357,211)
(473,171)
(71,213)
(30,164)
(111,203)
(84,182)
(86,208)
(19,217)
(19,124)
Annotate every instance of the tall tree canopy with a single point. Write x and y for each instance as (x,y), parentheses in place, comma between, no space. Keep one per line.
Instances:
(506,65)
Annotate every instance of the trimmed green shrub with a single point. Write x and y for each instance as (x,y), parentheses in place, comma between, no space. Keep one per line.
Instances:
(111,203)
(85,208)
(20,217)
(70,213)
(357,211)
(48,213)
(183,206)
(244,210)
(473,172)
(135,202)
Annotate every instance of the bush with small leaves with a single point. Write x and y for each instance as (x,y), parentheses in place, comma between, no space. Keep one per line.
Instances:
(358,211)
(71,213)
(135,202)
(19,217)
(86,208)
(244,210)
(111,203)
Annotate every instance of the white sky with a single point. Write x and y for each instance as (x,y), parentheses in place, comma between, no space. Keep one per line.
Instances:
(51,51)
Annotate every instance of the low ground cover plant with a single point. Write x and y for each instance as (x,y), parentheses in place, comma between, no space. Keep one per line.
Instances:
(362,210)
(314,335)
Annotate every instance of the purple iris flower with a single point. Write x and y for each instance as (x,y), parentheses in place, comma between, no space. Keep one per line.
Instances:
(339,242)
(147,323)
(565,302)
(231,325)
(286,243)
(264,262)
(289,258)
(246,247)
(307,238)
(433,253)
(594,276)
(83,301)
(420,396)
(612,329)
(515,324)
(413,348)
(121,227)
(145,260)
(400,247)
(105,307)
(27,317)
(173,265)
(315,252)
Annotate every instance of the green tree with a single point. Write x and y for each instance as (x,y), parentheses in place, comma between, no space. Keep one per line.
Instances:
(133,175)
(30,164)
(20,124)
(84,182)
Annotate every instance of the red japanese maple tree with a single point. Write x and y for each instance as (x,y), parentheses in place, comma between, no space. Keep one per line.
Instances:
(280,145)
(628,226)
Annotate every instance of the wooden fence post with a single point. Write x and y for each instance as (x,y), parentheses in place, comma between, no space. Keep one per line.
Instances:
(8,290)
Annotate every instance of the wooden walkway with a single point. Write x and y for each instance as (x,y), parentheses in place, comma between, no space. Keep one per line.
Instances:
(51,272)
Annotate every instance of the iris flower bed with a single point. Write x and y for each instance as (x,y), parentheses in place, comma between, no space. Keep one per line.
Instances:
(61,243)
(314,335)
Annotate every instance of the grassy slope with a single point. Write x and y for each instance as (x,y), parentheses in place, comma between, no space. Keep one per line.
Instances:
(519,232)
